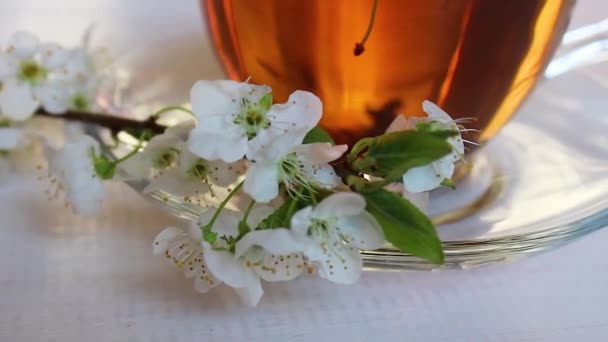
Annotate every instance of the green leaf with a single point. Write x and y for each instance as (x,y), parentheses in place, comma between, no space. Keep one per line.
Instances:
(281,217)
(266,101)
(316,135)
(391,155)
(404,225)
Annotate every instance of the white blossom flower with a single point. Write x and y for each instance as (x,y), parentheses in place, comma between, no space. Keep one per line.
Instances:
(230,115)
(184,250)
(159,155)
(25,78)
(194,175)
(272,255)
(299,167)
(22,145)
(429,177)
(85,69)
(333,232)
(72,170)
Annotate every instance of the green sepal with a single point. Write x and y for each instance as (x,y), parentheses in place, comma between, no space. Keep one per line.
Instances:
(281,217)
(265,102)
(104,168)
(316,135)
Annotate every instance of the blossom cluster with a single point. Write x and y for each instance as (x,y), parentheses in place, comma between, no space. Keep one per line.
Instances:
(277,202)
(45,76)
(258,150)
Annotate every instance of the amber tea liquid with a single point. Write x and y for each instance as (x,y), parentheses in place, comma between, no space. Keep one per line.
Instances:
(475,58)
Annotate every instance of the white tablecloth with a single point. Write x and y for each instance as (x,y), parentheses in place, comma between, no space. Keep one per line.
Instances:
(64,278)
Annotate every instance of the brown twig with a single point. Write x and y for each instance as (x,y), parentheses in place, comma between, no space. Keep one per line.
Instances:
(114,123)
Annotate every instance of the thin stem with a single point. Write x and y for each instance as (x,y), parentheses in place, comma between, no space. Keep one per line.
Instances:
(171,108)
(243,225)
(114,123)
(248,211)
(133,152)
(222,205)
(360,47)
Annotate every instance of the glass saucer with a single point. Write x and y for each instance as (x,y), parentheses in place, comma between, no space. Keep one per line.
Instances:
(549,184)
(545,181)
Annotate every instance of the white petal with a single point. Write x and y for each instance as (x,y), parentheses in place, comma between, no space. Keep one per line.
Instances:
(210,98)
(439,115)
(185,252)
(361,231)
(227,268)
(196,268)
(53,97)
(435,113)
(9,138)
(227,222)
(275,241)
(324,175)
(217,145)
(270,147)
(261,182)
(281,267)
(204,283)
(16,100)
(8,65)
(224,174)
(340,204)
(422,178)
(164,238)
(320,153)
(186,160)
(73,167)
(401,123)
(444,167)
(172,136)
(52,55)
(457,146)
(340,264)
(254,92)
(251,294)
(173,183)
(22,44)
(87,202)
(300,222)
(419,199)
(259,213)
(303,109)
(135,168)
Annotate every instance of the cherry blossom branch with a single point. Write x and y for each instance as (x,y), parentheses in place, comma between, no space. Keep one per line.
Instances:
(114,123)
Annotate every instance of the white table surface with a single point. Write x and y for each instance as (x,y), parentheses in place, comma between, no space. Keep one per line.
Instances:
(64,278)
